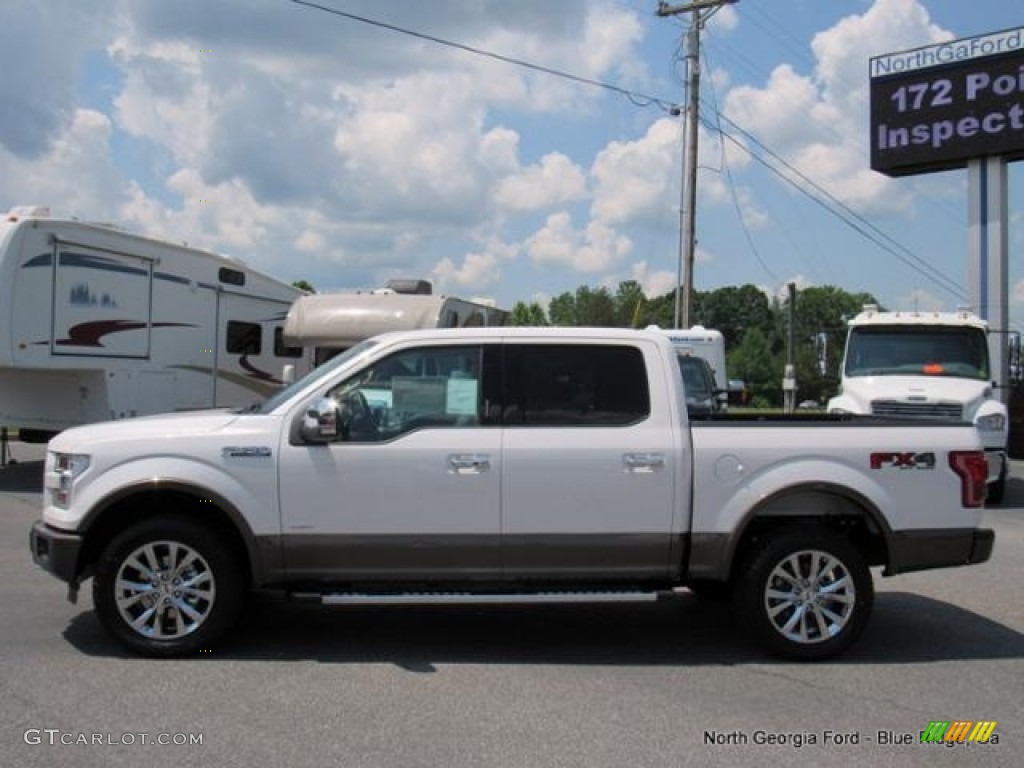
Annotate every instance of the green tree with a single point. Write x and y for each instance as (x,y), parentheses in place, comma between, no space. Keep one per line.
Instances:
(754,362)
(820,336)
(304,285)
(531,314)
(587,306)
(630,305)
(562,310)
(734,310)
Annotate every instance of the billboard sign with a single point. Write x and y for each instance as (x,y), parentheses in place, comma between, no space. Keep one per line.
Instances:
(937,107)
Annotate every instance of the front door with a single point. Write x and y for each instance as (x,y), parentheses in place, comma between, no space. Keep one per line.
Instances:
(410,490)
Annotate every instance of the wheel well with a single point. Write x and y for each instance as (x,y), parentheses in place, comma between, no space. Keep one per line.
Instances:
(846,516)
(146,503)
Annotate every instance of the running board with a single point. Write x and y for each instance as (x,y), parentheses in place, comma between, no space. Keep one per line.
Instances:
(456,598)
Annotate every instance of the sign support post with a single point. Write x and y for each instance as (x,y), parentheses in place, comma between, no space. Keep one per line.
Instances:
(987,275)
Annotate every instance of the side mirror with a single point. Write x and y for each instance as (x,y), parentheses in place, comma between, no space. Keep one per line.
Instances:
(320,422)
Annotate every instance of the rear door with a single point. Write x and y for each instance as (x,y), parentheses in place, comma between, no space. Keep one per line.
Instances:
(589,478)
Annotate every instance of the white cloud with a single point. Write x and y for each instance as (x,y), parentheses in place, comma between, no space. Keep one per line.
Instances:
(781,290)
(633,178)
(42,46)
(920,300)
(817,121)
(479,270)
(554,181)
(1018,292)
(654,283)
(726,19)
(74,176)
(593,249)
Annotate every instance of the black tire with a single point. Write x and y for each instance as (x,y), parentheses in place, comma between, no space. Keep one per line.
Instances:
(997,489)
(804,593)
(178,582)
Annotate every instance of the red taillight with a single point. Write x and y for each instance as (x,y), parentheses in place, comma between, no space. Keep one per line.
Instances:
(972,469)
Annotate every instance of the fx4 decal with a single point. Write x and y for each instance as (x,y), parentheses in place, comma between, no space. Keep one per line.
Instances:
(902,460)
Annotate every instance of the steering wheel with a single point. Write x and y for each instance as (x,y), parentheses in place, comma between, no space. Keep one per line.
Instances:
(357,419)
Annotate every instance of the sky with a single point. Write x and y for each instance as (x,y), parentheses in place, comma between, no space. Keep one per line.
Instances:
(319,147)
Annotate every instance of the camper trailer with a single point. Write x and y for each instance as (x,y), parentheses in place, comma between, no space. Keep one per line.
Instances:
(333,322)
(699,341)
(98,324)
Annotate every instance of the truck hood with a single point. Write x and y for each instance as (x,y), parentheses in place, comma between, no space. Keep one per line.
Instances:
(144,427)
(916,388)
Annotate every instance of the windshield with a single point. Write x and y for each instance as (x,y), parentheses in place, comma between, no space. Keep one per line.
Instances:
(956,351)
(695,377)
(334,363)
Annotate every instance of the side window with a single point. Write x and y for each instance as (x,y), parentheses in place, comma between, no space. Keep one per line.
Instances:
(231,276)
(426,387)
(575,385)
(281,349)
(244,338)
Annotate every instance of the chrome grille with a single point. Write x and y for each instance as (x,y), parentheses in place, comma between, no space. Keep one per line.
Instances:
(907,410)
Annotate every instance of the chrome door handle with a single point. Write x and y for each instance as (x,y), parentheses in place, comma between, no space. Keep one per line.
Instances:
(468,463)
(643,462)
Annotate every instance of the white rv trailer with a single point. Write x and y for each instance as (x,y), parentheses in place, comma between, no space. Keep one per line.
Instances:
(333,322)
(701,342)
(98,324)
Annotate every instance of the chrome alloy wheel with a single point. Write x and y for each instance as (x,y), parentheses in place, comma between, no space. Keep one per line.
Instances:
(164,590)
(809,596)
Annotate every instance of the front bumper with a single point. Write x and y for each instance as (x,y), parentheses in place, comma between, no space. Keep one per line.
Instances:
(56,551)
(924,549)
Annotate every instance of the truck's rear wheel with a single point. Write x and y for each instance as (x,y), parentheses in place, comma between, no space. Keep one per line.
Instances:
(805,593)
(168,587)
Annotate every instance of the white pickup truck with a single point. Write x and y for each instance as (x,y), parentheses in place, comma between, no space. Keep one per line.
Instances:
(502,464)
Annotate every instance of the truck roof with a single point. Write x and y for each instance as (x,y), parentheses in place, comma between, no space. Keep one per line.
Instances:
(961,317)
(527,332)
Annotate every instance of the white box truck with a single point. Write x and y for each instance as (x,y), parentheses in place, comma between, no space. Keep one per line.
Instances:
(926,365)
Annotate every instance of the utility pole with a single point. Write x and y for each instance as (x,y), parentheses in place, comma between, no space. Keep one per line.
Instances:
(789,373)
(700,11)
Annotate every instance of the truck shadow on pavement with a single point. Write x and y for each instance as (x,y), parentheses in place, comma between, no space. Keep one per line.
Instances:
(22,477)
(1014,496)
(683,630)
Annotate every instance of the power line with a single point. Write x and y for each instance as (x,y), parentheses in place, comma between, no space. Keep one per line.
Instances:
(636,97)
(732,184)
(844,213)
(826,200)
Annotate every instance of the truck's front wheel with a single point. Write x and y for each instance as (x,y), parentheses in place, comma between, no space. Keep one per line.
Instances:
(167,587)
(805,593)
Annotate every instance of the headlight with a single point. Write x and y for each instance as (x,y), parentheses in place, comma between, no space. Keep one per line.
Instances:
(994,422)
(67,467)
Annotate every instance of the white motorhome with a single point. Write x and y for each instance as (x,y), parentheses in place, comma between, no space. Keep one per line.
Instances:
(333,322)
(925,365)
(98,324)
(701,342)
